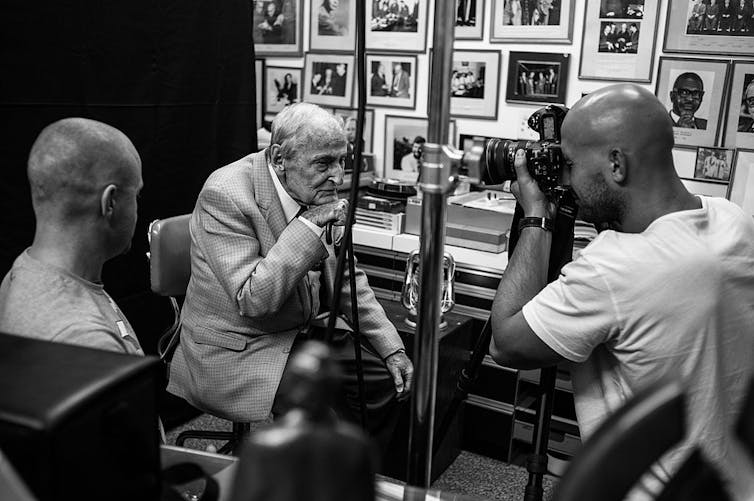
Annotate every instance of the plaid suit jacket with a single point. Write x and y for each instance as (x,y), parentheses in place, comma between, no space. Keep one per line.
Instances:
(251,293)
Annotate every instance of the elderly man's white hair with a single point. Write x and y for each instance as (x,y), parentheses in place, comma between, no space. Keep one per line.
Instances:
(299,123)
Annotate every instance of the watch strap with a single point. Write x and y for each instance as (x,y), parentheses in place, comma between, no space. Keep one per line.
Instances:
(536,222)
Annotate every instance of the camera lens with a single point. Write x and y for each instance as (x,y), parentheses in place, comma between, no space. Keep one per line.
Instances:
(498,158)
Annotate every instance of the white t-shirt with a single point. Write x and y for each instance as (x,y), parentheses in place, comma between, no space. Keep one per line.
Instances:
(675,300)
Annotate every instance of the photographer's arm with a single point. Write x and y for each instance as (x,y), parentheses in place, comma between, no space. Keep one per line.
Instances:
(513,343)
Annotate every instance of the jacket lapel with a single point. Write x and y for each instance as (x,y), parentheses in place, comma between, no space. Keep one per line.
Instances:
(266,195)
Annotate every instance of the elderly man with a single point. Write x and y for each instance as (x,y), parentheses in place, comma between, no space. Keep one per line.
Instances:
(259,261)
(630,308)
(84,178)
(686,96)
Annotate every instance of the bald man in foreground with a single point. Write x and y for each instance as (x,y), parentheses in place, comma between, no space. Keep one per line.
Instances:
(84,176)
(668,291)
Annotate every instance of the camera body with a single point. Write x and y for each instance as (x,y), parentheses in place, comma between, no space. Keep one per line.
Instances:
(544,158)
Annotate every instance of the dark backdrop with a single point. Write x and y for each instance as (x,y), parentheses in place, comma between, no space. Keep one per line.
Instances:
(176,76)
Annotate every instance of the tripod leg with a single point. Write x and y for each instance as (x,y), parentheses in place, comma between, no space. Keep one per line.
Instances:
(536,463)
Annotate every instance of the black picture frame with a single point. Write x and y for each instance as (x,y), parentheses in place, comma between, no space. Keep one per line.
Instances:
(539,86)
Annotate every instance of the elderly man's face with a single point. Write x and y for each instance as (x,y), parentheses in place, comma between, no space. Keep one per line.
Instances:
(314,172)
(686,96)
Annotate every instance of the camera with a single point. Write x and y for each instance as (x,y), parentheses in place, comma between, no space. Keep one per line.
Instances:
(544,158)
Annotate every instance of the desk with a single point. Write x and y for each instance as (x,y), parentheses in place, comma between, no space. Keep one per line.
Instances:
(223,469)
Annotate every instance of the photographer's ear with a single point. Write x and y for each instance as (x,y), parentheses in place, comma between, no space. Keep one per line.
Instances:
(618,166)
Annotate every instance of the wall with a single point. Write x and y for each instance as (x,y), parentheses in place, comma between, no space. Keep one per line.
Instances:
(510,116)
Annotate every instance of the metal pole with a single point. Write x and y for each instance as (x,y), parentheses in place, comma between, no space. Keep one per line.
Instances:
(434,183)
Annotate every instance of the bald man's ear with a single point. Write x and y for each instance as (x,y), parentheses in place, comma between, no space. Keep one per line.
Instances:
(618,166)
(107,201)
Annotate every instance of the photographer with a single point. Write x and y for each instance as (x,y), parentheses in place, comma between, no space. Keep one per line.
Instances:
(667,291)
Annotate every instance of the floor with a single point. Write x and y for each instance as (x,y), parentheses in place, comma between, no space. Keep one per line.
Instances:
(470,474)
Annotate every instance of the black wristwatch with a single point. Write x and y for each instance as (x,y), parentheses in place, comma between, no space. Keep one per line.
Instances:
(536,222)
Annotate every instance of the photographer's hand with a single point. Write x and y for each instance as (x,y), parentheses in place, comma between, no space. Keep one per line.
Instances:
(527,192)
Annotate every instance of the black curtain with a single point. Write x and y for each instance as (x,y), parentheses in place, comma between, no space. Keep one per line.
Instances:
(176,76)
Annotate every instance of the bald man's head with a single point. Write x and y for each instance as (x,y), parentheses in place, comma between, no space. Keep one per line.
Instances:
(72,160)
(617,138)
(85,176)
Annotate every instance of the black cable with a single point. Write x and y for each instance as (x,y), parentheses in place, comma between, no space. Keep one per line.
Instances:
(353,197)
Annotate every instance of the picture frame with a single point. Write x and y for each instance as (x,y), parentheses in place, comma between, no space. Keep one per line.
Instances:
(392,80)
(618,41)
(328,79)
(400,133)
(259,91)
(532,21)
(739,124)
(282,87)
(703,115)
(741,186)
(349,115)
(398,29)
(332,25)
(537,77)
(687,30)
(469,19)
(475,84)
(713,165)
(277,29)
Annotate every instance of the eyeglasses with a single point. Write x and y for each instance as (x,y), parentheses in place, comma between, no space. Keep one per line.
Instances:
(696,94)
(749,101)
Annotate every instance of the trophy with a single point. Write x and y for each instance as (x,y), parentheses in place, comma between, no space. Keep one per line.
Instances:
(410,290)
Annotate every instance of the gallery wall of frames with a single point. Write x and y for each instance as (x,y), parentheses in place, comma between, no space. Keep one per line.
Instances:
(512,57)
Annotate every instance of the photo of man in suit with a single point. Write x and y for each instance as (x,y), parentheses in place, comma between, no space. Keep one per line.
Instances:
(400,84)
(378,84)
(686,97)
(746,118)
(262,272)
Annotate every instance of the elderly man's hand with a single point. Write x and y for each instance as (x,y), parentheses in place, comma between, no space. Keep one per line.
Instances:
(333,212)
(527,192)
(402,370)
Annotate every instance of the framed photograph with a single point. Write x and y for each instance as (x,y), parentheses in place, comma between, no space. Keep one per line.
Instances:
(348,116)
(713,164)
(739,125)
(282,87)
(333,25)
(259,90)
(709,27)
(403,139)
(693,91)
(532,21)
(328,79)
(392,80)
(619,40)
(537,77)
(397,25)
(469,19)
(276,27)
(741,187)
(475,83)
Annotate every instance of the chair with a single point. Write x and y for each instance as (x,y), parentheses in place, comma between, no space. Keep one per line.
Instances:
(626,445)
(169,273)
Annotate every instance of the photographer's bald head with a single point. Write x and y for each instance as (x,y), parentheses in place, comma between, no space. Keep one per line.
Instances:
(85,176)
(619,142)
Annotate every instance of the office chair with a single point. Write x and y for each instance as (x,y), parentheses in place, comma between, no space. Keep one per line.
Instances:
(624,447)
(169,273)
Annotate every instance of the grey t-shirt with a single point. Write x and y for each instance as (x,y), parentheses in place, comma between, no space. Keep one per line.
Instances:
(42,301)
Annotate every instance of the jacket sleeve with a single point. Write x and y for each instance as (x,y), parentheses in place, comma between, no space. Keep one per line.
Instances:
(373,322)
(229,241)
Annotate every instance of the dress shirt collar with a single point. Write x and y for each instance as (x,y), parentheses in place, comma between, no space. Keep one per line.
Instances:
(290,206)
